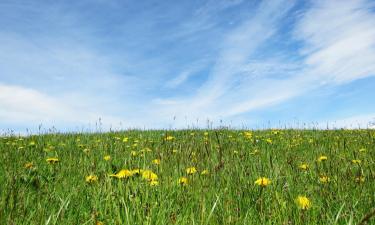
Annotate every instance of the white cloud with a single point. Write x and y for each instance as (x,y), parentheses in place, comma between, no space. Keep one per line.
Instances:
(338,40)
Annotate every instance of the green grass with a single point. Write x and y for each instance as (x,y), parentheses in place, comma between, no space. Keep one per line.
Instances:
(58,193)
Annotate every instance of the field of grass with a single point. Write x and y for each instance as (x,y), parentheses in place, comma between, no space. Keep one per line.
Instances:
(189,177)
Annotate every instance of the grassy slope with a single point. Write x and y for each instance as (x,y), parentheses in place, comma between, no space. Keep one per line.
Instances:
(58,194)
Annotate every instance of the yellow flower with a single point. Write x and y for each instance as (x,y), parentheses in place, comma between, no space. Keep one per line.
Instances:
(322,158)
(183,181)
(174,151)
(29,165)
(156,161)
(99,223)
(356,161)
(52,160)
(263,181)
(248,134)
(154,183)
(235,151)
(107,157)
(324,179)
(169,138)
(204,172)
(122,174)
(137,171)
(91,179)
(149,175)
(133,153)
(304,166)
(32,144)
(191,170)
(269,140)
(303,202)
(360,179)
(205,133)
(125,139)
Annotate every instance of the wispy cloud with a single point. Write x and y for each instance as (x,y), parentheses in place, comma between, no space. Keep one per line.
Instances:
(151,65)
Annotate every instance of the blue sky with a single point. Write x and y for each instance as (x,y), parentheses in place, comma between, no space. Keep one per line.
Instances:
(173,64)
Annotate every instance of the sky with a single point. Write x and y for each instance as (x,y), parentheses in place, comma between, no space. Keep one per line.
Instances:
(119,64)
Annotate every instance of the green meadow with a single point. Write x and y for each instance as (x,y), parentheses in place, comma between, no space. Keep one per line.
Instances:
(189,177)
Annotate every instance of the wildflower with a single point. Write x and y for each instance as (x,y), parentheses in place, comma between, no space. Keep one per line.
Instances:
(156,161)
(169,138)
(107,157)
(136,171)
(248,134)
(122,174)
(304,166)
(183,181)
(205,172)
(205,133)
(52,160)
(303,202)
(154,183)
(86,150)
(356,161)
(269,140)
(360,179)
(29,165)
(32,144)
(149,175)
(263,181)
(91,179)
(133,153)
(174,151)
(99,223)
(324,179)
(125,139)
(191,170)
(235,152)
(322,158)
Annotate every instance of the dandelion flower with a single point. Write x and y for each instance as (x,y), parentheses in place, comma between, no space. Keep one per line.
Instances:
(304,166)
(169,138)
(191,170)
(324,179)
(136,171)
(52,160)
(122,174)
(154,183)
(156,161)
(107,157)
(322,158)
(133,153)
(149,175)
(356,161)
(91,179)
(263,181)
(183,181)
(303,202)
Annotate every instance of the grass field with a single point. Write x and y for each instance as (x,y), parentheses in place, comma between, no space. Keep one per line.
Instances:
(189,177)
